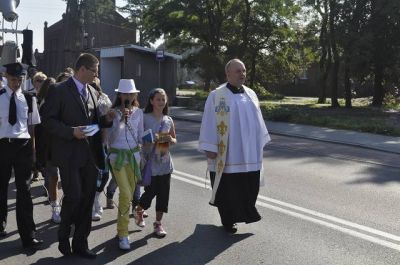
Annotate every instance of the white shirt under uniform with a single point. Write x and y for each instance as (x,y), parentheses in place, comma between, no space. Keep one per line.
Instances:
(247,133)
(19,129)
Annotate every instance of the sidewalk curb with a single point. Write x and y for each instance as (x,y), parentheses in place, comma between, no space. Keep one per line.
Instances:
(196,117)
(333,141)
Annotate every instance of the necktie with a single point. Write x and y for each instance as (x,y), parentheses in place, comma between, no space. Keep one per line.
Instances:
(12,112)
(84,93)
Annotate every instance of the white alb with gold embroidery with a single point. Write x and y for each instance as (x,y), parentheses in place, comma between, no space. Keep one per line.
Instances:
(246,131)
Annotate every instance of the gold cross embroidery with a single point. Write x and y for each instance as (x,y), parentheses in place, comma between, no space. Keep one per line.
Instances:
(221,148)
(222,128)
(220,166)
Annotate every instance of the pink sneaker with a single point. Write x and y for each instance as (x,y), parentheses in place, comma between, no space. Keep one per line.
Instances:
(159,230)
(139,218)
(134,210)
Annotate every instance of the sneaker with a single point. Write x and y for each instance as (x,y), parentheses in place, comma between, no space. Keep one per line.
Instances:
(159,230)
(124,243)
(110,204)
(55,212)
(97,205)
(139,218)
(98,209)
(96,216)
(145,215)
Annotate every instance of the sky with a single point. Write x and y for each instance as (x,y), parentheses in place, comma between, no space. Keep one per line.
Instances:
(32,14)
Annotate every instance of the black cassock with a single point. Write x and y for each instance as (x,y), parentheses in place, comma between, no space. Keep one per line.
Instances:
(236,197)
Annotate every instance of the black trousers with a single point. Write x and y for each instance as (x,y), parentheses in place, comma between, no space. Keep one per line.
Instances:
(159,187)
(236,197)
(79,187)
(17,154)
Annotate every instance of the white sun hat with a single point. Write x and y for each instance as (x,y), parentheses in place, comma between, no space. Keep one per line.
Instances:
(126,86)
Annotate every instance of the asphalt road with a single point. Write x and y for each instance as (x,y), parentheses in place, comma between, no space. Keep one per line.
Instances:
(322,204)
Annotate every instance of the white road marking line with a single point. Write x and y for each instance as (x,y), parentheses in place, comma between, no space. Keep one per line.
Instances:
(315,213)
(195,181)
(192,176)
(188,181)
(348,231)
(332,218)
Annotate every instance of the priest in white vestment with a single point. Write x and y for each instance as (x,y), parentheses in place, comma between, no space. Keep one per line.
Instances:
(233,135)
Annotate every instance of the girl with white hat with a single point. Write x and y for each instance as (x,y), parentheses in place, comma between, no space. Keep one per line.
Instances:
(124,139)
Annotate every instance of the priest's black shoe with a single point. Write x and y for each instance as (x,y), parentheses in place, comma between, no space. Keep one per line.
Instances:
(33,243)
(65,248)
(85,253)
(231,228)
(3,233)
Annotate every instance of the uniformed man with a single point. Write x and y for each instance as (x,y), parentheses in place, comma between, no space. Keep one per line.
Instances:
(17,113)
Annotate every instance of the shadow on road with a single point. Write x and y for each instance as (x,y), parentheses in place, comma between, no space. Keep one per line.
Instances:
(206,243)
(379,175)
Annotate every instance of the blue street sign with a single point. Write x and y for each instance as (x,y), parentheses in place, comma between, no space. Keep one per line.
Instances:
(160,55)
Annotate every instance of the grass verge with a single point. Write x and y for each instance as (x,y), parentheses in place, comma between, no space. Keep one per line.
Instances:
(361,117)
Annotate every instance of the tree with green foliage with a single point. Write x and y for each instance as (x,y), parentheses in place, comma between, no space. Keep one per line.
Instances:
(353,41)
(384,26)
(136,9)
(362,34)
(218,30)
(329,51)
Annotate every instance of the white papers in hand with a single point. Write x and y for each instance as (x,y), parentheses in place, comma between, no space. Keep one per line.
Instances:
(90,130)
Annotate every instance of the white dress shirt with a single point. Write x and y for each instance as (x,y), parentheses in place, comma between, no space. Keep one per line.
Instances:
(20,129)
(80,86)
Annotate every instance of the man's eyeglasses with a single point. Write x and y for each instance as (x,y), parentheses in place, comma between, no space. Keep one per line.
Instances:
(94,71)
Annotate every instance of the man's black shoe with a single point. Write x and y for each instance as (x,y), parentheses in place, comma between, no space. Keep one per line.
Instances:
(3,233)
(65,248)
(33,243)
(85,253)
(231,228)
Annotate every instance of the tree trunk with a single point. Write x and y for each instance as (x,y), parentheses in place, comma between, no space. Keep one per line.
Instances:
(347,83)
(324,78)
(334,87)
(253,69)
(332,34)
(245,30)
(322,82)
(379,47)
(379,91)
(324,65)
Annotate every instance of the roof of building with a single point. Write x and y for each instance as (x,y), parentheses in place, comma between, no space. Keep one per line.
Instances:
(118,51)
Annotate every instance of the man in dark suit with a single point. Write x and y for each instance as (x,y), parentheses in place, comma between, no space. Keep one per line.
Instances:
(68,108)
